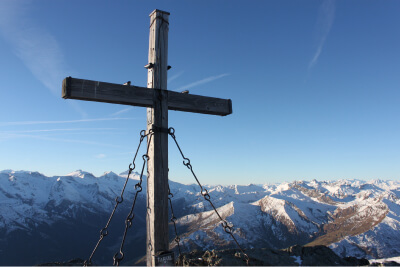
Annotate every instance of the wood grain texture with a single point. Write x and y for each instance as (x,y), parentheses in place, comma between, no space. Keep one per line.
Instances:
(88,90)
(106,92)
(199,104)
(157,118)
(158,101)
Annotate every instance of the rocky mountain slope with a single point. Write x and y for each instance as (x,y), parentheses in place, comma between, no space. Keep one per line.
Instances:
(45,219)
(292,256)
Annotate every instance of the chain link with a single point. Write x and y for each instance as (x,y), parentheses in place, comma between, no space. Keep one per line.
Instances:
(119,256)
(173,219)
(118,200)
(227,228)
(128,222)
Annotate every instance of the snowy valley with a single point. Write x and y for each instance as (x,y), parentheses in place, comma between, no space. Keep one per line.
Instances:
(45,219)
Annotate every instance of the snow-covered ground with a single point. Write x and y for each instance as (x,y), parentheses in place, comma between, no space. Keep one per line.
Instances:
(362,218)
(395,259)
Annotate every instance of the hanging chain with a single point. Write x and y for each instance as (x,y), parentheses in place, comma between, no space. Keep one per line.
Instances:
(118,200)
(128,222)
(173,219)
(227,228)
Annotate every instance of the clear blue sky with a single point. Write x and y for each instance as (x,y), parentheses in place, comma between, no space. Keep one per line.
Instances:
(314,85)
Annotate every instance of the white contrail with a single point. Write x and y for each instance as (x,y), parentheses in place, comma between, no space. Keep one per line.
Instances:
(121,111)
(203,81)
(175,76)
(10,123)
(58,140)
(59,130)
(37,48)
(326,16)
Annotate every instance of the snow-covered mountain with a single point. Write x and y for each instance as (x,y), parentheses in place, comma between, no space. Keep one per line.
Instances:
(45,219)
(352,217)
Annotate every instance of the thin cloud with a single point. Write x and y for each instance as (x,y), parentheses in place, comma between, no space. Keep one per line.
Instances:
(59,122)
(121,111)
(60,130)
(326,16)
(100,156)
(175,76)
(78,108)
(5,136)
(38,49)
(203,81)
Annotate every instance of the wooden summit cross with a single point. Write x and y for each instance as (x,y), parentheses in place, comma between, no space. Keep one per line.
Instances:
(158,101)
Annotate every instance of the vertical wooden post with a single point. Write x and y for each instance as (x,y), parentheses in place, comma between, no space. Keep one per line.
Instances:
(157,119)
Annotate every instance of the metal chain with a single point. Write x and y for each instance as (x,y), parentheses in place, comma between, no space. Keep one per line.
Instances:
(128,221)
(227,228)
(118,200)
(173,219)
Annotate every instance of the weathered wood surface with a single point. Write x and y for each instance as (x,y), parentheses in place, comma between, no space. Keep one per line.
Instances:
(199,104)
(157,118)
(106,92)
(88,90)
(158,101)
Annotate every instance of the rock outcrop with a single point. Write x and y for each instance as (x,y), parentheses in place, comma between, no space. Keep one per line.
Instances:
(292,256)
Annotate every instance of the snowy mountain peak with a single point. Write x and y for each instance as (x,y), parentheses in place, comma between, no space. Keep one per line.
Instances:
(109,173)
(111,176)
(340,214)
(6,171)
(22,172)
(81,174)
(124,174)
(134,175)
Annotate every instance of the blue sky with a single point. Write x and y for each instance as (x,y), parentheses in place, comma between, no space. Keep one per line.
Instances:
(314,86)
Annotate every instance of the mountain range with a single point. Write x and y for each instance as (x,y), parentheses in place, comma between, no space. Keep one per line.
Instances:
(45,219)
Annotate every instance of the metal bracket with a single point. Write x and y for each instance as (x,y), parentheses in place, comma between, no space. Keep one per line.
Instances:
(149,66)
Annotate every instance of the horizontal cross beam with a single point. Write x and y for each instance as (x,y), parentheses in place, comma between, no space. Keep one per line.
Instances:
(88,90)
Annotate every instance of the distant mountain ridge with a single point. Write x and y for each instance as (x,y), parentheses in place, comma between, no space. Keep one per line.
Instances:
(58,218)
